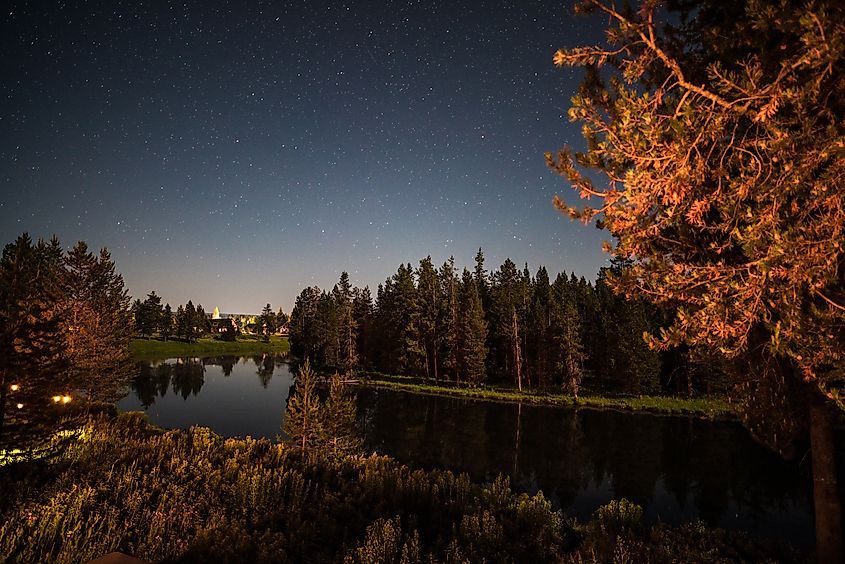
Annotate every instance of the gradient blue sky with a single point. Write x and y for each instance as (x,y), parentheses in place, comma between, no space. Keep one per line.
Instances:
(234,152)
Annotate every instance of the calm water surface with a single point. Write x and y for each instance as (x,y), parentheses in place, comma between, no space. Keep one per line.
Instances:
(677,468)
(234,396)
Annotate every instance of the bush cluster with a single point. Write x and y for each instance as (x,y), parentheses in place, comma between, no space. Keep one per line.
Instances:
(193,496)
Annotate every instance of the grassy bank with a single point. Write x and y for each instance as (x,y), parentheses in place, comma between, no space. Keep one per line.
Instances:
(193,496)
(703,407)
(151,348)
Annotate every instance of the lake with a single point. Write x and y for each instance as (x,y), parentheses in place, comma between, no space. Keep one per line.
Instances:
(677,468)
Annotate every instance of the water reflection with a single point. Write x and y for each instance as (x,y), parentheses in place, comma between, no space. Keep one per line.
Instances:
(266,365)
(187,378)
(233,395)
(677,468)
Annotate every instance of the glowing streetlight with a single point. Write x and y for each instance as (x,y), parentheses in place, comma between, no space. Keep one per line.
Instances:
(65,399)
(14,387)
(20,406)
(57,399)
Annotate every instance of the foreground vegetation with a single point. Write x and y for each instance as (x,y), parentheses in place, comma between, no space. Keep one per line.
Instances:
(704,407)
(194,496)
(146,348)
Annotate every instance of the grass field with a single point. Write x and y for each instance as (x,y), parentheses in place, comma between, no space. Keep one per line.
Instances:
(703,407)
(151,348)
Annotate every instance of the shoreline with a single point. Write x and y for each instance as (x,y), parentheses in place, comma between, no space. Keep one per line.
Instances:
(708,408)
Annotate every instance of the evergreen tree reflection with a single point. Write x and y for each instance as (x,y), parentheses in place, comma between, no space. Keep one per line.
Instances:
(188,377)
(265,363)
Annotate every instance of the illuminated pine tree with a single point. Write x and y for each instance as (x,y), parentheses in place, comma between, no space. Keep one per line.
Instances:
(720,130)
(96,323)
(32,366)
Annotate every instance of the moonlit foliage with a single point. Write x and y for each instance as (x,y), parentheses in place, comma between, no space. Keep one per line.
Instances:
(724,164)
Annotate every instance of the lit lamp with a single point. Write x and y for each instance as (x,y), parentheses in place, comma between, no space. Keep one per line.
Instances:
(14,387)
(20,406)
(57,399)
(65,399)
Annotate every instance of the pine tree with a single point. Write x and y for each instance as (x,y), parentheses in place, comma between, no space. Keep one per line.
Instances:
(79,314)
(148,318)
(281,318)
(398,319)
(593,322)
(136,313)
(201,322)
(450,315)
(32,366)
(626,362)
(720,130)
(362,311)
(267,322)
(190,324)
(537,327)
(96,323)
(347,324)
(327,329)
(303,335)
(302,416)
(565,335)
(473,333)
(428,291)
(482,279)
(167,323)
(506,303)
(183,324)
(339,421)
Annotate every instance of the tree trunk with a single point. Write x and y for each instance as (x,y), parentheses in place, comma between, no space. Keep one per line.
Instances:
(517,439)
(689,383)
(517,360)
(826,498)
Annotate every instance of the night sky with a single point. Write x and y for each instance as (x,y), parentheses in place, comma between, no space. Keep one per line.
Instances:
(234,152)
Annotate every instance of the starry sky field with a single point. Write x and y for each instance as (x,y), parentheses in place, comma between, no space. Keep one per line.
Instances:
(234,152)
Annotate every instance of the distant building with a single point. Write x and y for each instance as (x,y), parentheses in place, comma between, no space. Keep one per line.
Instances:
(222,325)
(231,323)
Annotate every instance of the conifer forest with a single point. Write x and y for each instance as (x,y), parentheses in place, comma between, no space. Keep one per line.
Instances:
(669,387)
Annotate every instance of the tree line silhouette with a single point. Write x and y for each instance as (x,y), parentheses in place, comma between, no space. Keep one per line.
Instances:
(501,327)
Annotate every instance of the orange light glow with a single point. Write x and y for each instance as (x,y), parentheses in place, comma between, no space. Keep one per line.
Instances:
(65,399)
(14,387)
(57,399)
(20,406)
